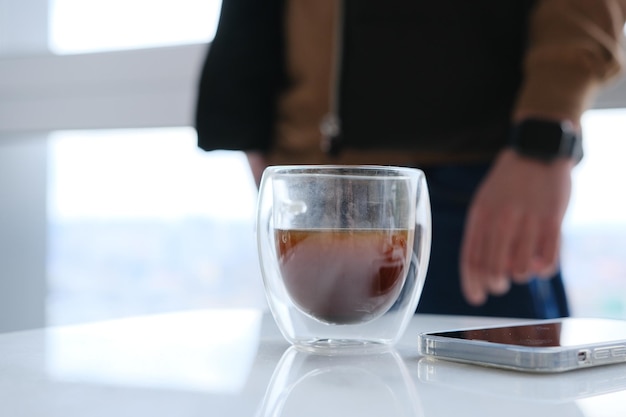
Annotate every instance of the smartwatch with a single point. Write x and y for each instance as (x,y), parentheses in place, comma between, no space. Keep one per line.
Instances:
(546,140)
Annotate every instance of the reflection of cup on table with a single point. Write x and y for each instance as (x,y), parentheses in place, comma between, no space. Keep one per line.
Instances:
(344,252)
(305,384)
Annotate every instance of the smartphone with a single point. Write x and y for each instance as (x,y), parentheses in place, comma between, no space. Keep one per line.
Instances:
(554,345)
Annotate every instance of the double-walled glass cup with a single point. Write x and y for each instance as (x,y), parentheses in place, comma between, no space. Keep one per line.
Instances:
(343,253)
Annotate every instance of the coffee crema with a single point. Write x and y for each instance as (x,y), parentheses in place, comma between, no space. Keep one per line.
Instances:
(343,276)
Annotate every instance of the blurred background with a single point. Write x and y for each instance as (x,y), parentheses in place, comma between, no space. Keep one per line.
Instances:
(108,209)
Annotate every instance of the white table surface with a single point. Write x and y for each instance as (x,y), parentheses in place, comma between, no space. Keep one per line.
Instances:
(236,363)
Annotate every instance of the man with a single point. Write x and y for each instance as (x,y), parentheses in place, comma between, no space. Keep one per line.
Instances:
(485,96)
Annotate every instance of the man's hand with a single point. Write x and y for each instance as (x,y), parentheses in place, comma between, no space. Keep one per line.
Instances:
(513,227)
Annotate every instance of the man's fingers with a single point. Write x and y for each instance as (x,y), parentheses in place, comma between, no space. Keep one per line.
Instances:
(546,257)
(496,258)
(471,254)
(523,251)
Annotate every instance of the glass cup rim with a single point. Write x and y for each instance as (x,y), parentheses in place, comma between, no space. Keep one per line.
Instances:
(381,172)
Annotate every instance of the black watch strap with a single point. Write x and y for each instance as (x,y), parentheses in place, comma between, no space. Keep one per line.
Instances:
(546,140)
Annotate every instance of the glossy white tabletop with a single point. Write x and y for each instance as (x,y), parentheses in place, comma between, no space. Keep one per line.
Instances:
(236,363)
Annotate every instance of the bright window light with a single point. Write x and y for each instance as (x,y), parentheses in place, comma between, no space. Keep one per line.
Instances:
(146,174)
(80,26)
(143,221)
(596,198)
(595,226)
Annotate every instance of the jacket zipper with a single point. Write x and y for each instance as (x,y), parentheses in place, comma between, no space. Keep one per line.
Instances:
(330,125)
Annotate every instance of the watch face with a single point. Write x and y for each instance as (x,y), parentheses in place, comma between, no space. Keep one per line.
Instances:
(541,138)
(546,140)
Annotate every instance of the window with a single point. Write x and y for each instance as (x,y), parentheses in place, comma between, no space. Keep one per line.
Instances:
(594,255)
(142,221)
(78,26)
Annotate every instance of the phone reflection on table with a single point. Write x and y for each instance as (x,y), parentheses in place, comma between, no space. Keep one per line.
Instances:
(306,384)
(499,390)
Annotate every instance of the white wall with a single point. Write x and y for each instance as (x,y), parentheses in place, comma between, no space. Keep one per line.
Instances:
(139,88)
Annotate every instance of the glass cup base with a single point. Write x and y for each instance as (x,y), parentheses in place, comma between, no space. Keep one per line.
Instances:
(342,346)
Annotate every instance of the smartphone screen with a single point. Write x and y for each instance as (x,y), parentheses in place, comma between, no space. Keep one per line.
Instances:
(562,333)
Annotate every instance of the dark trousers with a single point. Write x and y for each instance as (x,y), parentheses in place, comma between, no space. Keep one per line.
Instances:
(451,190)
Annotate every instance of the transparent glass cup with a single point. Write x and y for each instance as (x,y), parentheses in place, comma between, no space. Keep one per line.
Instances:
(343,252)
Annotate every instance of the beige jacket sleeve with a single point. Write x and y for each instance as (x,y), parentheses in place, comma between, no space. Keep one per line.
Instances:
(575,47)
